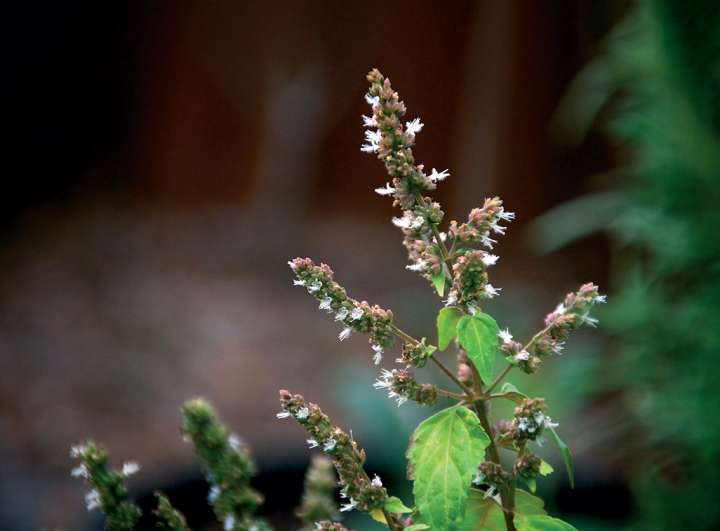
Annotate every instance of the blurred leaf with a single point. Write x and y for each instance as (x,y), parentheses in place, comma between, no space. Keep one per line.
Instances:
(395,505)
(541,523)
(438,281)
(566,456)
(447,321)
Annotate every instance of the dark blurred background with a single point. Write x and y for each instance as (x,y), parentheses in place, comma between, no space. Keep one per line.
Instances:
(163,162)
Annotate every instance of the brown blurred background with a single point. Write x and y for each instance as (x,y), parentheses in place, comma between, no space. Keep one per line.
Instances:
(166,159)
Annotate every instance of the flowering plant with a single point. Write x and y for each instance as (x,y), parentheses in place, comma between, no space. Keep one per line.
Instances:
(460,481)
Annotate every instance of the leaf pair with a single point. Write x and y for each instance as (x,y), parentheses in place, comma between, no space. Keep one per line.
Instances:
(444,454)
(478,335)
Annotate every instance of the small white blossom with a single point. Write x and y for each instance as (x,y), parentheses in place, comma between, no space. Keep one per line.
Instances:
(372,100)
(495,227)
(229,523)
(505,335)
(436,176)
(378,354)
(387,190)
(376,481)
(325,304)
(560,309)
(77,451)
(341,314)
(214,494)
(600,299)
(490,259)
(452,298)
(292,265)
(312,288)
(549,423)
(408,221)
(234,442)
(373,139)
(413,127)
(92,500)
(479,478)
(507,216)
(79,471)
(590,321)
(356,314)
(348,506)
(130,468)
(298,282)
(369,121)
(491,291)
(420,265)
(487,241)
(329,445)
(312,443)
(282,414)
(302,413)
(523,355)
(345,333)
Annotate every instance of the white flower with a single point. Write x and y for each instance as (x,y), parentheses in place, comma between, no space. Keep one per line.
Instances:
(452,298)
(600,299)
(341,314)
(560,309)
(292,265)
(79,471)
(130,468)
(342,336)
(229,523)
(325,304)
(329,445)
(369,121)
(214,494)
(479,478)
(490,259)
(298,282)
(77,451)
(388,190)
(373,139)
(558,347)
(92,500)
(505,335)
(376,481)
(378,356)
(302,413)
(507,216)
(549,423)
(312,443)
(443,236)
(372,100)
(384,381)
(234,442)
(312,288)
(417,266)
(282,414)
(590,321)
(472,309)
(408,221)
(523,355)
(357,313)
(491,291)
(348,506)
(487,241)
(495,227)
(436,176)
(413,127)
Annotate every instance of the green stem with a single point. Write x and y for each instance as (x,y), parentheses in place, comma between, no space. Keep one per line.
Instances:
(450,375)
(498,379)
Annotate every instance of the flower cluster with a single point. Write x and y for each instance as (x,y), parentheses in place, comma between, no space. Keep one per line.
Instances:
(516,354)
(481,223)
(362,493)
(229,467)
(169,518)
(318,501)
(491,474)
(529,422)
(402,386)
(329,526)
(569,315)
(470,280)
(527,466)
(108,491)
(354,315)
(416,354)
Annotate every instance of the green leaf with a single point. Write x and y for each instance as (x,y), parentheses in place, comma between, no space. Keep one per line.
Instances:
(510,392)
(484,514)
(566,456)
(478,336)
(395,505)
(539,522)
(438,281)
(526,503)
(546,468)
(531,483)
(445,451)
(447,321)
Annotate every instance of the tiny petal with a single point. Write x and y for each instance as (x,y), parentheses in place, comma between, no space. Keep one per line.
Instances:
(79,471)
(312,443)
(302,413)
(413,127)
(357,313)
(376,481)
(329,445)
(283,414)
(229,523)
(387,190)
(342,336)
(92,500)
(505,335)
(436,176)
(490,259)
(130,468)
(234,442)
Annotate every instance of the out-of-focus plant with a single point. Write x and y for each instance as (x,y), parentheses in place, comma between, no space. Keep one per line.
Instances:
(466,470)
(658,79)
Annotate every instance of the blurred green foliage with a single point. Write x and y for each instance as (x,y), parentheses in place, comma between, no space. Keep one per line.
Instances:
(658,78)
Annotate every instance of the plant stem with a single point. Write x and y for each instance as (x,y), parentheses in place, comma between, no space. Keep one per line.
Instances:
(390,521)
(498,379)
(449,394)
(506,495)
(450,375)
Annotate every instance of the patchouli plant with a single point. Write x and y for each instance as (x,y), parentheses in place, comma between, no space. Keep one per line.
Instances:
(461,479)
